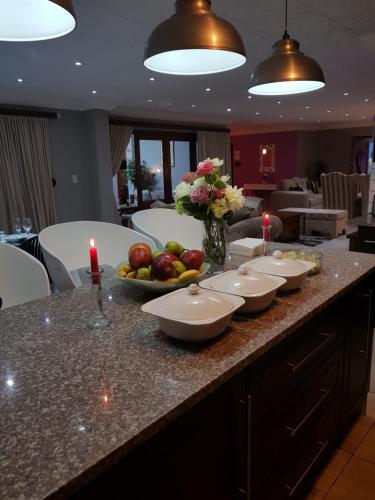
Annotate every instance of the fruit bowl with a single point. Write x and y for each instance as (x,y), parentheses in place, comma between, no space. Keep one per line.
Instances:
(155,286)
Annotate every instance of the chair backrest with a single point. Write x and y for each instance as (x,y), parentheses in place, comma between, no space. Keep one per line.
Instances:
(341,192)
(66,247)
(22,277)
(163,225)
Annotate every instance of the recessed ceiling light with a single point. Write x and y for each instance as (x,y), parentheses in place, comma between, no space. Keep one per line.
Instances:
(301,118)
(94,92)
(78,63)
(328,111)
(149,100)
(19,80)
(346,93)
(208,89)
(281,116)
(249,96)
(229,109)
(257,113)
(278,102)
(346,114)
(366,100)
(193,105)
(152,79)
(319,121)
(307,107)
(363,117)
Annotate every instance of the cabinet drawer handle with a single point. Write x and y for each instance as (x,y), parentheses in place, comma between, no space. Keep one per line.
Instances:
(293,490)
(296,367)
(294,430)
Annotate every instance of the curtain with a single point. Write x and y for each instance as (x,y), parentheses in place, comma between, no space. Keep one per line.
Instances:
(119,137)
(215,145)
(25,172)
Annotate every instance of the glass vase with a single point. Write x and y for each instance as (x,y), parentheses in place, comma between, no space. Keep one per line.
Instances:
(97,319)
(214,244)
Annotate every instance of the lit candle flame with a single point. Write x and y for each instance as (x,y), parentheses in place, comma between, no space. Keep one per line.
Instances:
(92,242)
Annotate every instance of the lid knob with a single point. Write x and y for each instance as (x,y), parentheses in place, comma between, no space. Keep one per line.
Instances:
(193,289)
(243,270)
(277,254)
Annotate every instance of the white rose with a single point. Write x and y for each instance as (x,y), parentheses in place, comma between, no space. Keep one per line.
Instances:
(217,163)
(224,178)
(234,198)
(182,189)
(200,181)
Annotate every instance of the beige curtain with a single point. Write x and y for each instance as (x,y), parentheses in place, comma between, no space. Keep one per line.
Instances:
(120,137)
(215,145)
(25,172)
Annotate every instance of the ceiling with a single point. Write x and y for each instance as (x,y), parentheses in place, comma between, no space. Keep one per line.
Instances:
(110,39)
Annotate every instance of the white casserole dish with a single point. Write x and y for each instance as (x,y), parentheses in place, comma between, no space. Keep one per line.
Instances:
(193,314)
(294,271)
(257,289)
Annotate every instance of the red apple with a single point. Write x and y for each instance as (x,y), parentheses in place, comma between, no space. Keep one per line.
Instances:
(139,257)
(162,267)
(135,246)
(192,259)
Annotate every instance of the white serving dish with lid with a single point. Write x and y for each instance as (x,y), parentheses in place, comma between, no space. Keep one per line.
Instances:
(294,271)
(257,289)
(193,314)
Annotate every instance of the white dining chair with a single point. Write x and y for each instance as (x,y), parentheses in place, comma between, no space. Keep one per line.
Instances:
(22,277)
(162,225)
(65,248)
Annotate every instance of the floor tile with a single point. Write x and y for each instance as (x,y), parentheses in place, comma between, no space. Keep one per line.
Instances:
(366,449)
(357,481)
(328,475)
(370,405)
(356,434)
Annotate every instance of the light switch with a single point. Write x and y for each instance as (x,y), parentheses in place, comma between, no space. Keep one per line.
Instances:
(75,179)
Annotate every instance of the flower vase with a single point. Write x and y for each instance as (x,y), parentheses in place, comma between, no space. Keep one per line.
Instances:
(214,244)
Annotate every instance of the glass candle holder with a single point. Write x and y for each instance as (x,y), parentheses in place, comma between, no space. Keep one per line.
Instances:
(266,238)
(97,319)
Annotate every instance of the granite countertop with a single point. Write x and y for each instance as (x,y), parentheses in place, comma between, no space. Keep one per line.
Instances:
(73,401)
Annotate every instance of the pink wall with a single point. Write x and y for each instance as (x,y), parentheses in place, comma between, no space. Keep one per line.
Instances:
(248,145)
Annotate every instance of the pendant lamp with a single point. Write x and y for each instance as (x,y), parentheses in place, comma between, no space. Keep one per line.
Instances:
(32,20)
(288,70)
(194,41)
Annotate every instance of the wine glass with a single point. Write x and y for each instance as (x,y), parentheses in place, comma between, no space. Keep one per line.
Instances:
(26,224)
(17,225)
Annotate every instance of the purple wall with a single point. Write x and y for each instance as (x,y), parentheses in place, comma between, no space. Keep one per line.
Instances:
(247,169)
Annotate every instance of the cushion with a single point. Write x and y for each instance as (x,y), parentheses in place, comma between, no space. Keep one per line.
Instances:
(241,214)
(161,204)
(301,182)
(286,184)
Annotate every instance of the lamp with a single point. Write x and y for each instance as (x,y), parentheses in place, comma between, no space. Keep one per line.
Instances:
(194,41)
(288,70)
(33,20)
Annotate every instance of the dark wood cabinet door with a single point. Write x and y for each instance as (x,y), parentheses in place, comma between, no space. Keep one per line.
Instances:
(359,351)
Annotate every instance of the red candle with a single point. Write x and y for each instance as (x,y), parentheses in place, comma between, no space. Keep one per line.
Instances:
(94,262)
(266,225)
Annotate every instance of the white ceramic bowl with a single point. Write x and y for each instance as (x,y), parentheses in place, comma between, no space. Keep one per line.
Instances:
(294,271)
(257,289)
(193,314)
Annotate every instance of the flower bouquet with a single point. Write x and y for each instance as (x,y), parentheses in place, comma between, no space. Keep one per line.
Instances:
(207,196)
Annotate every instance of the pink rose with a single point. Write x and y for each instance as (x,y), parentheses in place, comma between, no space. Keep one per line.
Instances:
(205,167)
(189,177)
(219,193)
(199,194)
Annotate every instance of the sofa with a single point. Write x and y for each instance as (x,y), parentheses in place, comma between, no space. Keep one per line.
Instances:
(297,192)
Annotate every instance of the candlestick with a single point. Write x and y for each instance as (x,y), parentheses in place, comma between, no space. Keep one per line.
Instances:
(266,238)
(97,319)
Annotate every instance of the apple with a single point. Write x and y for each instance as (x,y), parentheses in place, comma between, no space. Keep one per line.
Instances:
(192,259)
(162,267)
(139,257)
(135,246)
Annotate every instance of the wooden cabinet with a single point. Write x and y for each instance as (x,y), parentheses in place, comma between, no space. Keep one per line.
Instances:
(263,434)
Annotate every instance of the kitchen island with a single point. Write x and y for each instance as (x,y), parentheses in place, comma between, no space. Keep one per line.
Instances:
(128,413)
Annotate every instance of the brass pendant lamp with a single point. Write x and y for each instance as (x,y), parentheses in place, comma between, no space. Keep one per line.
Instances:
(33,20)
(194,41)
(287,71)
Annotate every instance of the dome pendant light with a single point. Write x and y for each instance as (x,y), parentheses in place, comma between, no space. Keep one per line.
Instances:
(33,20)
(287,71)
(194,41)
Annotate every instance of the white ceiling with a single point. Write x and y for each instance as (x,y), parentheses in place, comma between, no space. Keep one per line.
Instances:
(111,36)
